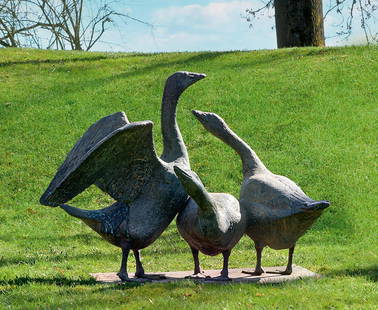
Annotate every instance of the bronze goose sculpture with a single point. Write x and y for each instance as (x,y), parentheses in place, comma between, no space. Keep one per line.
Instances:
(210,222)
(278,211)
(119,157)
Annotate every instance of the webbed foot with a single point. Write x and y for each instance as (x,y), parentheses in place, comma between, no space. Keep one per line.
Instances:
(125,277)
(139,273)
(257,272)
(219,278)
(197,276)
(287,271)
(151,276)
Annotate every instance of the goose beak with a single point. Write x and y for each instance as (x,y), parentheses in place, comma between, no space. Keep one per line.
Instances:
(208,119)
(199,114)
(196,76)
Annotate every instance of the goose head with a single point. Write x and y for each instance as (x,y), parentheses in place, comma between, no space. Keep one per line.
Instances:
(196,190)
(179,81)
(211,121)
(190,181)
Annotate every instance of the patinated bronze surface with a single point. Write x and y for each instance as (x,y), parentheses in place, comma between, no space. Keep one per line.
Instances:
(119,157)
(277,211)
(210,222)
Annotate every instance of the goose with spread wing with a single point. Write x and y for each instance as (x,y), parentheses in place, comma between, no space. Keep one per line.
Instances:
(119,157)
(278,211)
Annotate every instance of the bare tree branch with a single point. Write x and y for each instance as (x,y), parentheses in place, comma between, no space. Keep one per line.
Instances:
(66,23)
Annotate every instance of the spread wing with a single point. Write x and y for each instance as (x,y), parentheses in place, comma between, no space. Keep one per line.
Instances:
(116,155)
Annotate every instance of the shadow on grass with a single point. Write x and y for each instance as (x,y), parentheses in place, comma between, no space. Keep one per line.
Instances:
(106,287)
(186,283)
(202,55)
(167,286)
(60,281)
(370,273)
(56,238)
(130,72)
(63,281)
(55,258)
(270,58)
(205,56)
(59,61)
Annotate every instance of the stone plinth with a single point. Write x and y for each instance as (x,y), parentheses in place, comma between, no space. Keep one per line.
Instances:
(270,276)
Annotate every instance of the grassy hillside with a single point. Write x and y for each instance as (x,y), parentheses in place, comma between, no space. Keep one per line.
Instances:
(310,114)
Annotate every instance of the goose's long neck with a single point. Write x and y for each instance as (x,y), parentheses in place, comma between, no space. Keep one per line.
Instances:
(174,147)
(203,200)
(251,162)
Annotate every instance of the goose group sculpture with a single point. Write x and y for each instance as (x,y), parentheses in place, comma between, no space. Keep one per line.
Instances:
(210,222)
(119,157)
(277,211)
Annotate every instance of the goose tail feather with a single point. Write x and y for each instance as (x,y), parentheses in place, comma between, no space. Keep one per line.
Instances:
(316,205)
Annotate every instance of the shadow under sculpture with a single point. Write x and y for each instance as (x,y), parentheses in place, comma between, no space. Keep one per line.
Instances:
(278,212)
(210,222)
(119,157)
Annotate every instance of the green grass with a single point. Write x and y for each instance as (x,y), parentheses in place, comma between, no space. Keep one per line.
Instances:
(310,114)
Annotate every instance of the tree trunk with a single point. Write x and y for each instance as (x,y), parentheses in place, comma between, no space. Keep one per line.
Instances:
(299,23)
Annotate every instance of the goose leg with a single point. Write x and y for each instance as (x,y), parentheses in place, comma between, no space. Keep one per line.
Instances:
(289,268)
(224,273)
(258,270)
(197,274)
(139,273)
(122,274)
(197,268)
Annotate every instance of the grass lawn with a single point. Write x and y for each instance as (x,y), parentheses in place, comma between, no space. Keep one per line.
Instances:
(309,113)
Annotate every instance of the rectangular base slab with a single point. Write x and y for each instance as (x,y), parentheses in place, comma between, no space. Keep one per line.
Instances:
(236,275)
